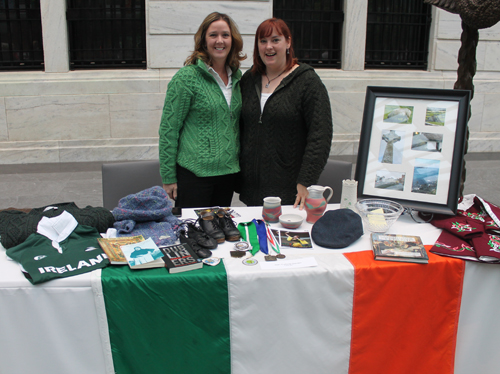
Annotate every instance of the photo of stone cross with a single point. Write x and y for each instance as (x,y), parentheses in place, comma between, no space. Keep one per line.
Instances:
(390,139)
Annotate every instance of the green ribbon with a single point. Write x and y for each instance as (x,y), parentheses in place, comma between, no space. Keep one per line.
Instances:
(252,233)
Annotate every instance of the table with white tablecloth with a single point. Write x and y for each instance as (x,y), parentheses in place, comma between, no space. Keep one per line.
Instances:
(326,318)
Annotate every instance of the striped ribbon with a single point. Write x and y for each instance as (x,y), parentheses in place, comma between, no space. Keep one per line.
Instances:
(272,240)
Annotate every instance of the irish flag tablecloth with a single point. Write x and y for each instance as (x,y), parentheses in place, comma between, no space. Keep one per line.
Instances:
(350,314)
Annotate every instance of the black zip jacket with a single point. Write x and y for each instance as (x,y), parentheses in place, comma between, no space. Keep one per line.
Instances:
(289,142)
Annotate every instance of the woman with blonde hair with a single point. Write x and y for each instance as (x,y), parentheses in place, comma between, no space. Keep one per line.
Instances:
(199,131)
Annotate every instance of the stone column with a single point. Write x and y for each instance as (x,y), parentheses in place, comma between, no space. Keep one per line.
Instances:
(354,35)
(55,36)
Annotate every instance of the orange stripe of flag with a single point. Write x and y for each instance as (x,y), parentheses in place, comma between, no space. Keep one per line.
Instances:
(405,315)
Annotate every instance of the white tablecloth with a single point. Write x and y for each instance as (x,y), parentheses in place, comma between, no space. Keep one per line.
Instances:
(55,327)
(61,327)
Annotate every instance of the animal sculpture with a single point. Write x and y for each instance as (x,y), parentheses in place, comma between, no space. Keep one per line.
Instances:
(475,15)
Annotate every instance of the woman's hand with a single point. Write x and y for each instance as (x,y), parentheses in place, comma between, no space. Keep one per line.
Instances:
(171,190)
(302,194)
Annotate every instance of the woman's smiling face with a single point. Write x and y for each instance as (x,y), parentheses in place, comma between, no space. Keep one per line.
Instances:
(218,40)
(272,50)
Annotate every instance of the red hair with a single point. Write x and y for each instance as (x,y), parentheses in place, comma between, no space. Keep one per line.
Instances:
(265,30)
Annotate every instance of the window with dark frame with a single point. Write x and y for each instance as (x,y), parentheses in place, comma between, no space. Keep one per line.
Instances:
(316,27)
(21,35)
(106,33)
(397,35)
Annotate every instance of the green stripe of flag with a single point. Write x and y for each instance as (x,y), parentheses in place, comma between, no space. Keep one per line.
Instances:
(161,322)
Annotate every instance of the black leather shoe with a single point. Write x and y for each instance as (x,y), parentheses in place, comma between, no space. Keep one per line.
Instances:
(195,232)
(200,251)
(227,225)
(210,224)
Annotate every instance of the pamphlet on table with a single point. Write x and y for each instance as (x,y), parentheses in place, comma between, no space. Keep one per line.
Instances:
(293,239)
(143,255)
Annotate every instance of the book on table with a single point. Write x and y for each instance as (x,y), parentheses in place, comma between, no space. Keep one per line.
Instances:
(180,257)
(143,255)
(403,248)
(111,246)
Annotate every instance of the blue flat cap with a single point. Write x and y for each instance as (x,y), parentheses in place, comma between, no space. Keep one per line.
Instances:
(337,229)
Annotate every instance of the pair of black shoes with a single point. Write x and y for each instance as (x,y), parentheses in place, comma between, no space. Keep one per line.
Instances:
(197,239)
(220,226)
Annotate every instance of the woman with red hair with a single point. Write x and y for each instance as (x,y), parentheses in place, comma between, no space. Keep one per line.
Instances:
(286,121)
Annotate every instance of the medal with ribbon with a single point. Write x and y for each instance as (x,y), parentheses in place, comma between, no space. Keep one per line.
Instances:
(273,242)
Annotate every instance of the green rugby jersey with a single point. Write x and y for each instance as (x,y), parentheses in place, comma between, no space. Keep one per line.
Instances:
(71,249)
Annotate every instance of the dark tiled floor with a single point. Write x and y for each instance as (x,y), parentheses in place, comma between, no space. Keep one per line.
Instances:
(36,185)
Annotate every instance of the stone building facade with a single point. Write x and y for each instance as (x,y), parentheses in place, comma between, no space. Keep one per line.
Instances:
(60,115)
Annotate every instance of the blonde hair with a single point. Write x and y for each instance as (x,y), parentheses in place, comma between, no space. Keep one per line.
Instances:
(200,48)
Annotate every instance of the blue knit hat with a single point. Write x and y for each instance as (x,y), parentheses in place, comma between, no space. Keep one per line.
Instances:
(151,204)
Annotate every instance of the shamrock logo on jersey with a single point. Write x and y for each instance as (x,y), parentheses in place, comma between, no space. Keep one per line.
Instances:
(494,243)
(461,227)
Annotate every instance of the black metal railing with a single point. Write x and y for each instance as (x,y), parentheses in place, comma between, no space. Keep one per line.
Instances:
(397,35)
(107,33)
(316,27)
(21,35)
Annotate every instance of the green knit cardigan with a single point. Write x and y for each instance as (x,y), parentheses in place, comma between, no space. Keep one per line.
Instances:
(198,130)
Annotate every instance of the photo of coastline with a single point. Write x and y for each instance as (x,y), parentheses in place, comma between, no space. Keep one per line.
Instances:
(390,180)
(425,176)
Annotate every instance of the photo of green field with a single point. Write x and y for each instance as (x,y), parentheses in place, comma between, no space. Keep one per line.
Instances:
(435,116)
(398,114)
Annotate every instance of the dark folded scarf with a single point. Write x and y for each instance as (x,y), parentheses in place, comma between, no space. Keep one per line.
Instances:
(17,225)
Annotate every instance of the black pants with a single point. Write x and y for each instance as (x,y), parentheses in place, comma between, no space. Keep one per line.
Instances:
(200,192)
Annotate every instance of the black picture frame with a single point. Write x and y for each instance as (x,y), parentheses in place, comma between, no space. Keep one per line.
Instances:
(412,145)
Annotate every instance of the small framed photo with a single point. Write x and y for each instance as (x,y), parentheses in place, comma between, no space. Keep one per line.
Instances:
(412,145)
